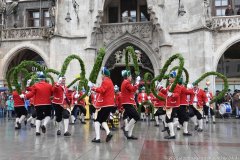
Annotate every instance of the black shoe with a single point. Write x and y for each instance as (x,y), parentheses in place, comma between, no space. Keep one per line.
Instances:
(196,127)
(18,125)
(67,134)
(58,132)
(169,137)
(178,128)
(214,122)
(206,121)
(113,128)
(125,133)
(132,138)
(25,122)
(72,123)
(17,128)
(109,137)
(156,125)
(187,134)
(168,131)
(38,134)
(43,129)
(165,129)
(33,125)
(200,130)
(96,140)
(83,122)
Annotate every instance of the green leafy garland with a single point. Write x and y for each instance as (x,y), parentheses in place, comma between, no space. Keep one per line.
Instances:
(147,78)
(73,82)
(224,78)
(164,70)
(16,71)
(97,65)
(9,77)
(130,50)
(49,70)
(67,62)
(23,65)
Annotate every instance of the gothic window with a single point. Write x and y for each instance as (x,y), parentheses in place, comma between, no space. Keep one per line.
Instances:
(38,19)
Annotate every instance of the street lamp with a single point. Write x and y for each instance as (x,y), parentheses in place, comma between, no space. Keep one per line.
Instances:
(181,10)
(68,17)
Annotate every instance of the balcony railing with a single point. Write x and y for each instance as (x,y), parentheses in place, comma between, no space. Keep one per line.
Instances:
(26,33)
(142,30)
(226,22)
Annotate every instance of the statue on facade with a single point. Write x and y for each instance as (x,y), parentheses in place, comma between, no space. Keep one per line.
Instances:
(207,14)
(118,57)
(52,12)
(76,8)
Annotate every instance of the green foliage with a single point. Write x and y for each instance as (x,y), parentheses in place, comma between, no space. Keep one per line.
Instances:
(147,79)
(224,78)
(130,50)
(164,70)
(97,65)
(49,70)
(9,77)
(22,67)
(73,82)
(67,62)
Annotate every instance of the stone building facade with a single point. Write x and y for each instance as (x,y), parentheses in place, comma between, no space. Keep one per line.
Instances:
(40,30)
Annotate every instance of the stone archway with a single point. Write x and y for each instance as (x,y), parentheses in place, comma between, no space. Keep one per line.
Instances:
(116,63)
(34,52)
(129,39)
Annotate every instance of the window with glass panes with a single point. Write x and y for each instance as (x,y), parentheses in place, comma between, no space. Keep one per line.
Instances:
(220,7)
(38,19)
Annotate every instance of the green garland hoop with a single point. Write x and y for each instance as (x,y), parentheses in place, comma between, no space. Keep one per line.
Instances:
(224,78)
(130,50)
(97,65)
(23,65)
(49,70)
(164,70)
(67,62)
(16,71)
(9,77)
(147,78)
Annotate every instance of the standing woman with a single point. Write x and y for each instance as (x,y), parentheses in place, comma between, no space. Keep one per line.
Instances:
(128,102)
(104,104)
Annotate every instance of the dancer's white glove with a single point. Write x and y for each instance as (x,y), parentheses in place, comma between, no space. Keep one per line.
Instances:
(28,82)
(22,96)
(169,94)
(90,84)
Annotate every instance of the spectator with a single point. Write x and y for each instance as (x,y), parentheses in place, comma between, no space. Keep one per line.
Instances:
(229,11)
(238,12)
(236,102)
(10,107)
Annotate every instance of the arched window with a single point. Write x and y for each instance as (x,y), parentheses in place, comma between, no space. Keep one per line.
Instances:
(119,11)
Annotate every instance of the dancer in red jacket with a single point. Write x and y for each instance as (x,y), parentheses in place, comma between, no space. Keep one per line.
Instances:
(172,104)
(19,108)
(198,100)
(128,102)
(41,91)
(61,103)
(104,104)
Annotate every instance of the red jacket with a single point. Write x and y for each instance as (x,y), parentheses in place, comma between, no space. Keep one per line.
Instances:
(184,95)
(105,97)
(209,96)
(18,101)
(118,100)
(60,93)
(159,103)
(199,97)
(127,92)
(41,92)
(75,98)
(93,98)
(142,97)
(174,100)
